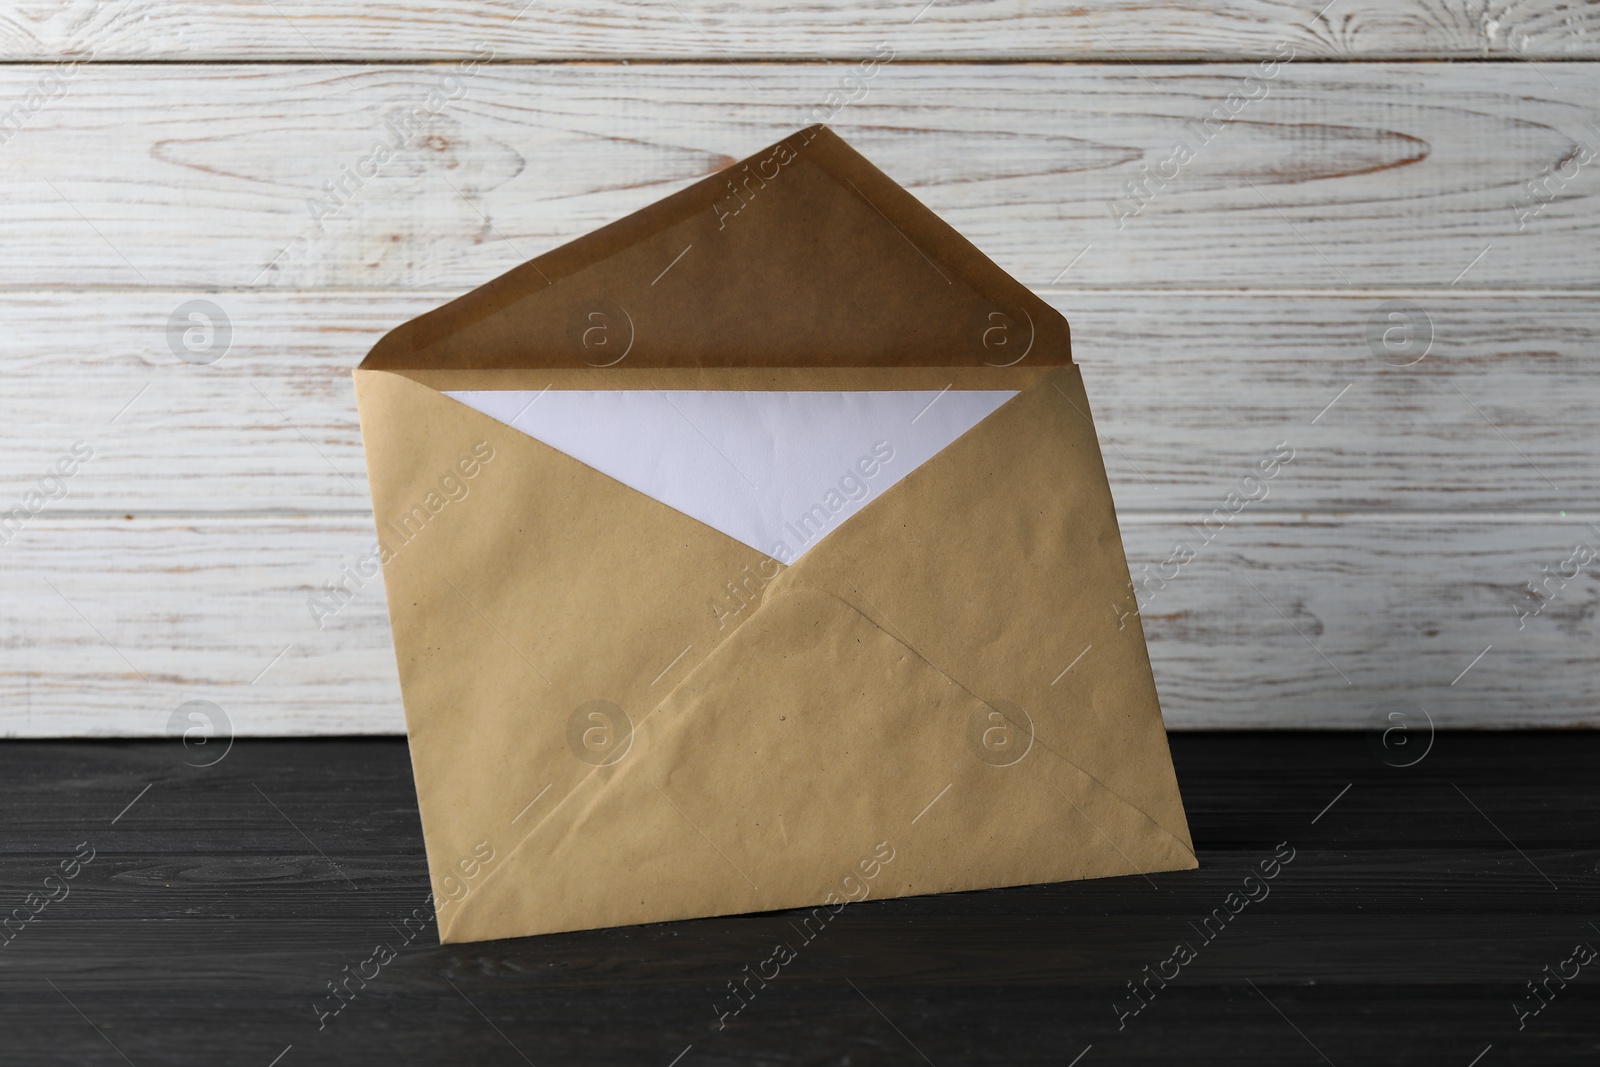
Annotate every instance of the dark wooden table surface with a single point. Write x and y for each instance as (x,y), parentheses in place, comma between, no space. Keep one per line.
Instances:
(1420,904)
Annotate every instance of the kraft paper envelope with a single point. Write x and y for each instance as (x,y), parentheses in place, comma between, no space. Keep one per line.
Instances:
(755,552)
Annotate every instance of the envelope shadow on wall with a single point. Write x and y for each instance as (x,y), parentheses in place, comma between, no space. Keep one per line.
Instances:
(747,541)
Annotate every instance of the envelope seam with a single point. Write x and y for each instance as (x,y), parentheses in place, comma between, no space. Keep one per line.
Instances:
(800,581)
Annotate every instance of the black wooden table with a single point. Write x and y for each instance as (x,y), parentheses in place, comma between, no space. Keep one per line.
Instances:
(1431,914)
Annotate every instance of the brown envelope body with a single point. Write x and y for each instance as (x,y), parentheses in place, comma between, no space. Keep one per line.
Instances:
(899,691)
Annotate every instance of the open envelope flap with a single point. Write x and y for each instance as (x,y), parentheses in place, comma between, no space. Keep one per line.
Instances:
(805,254)
(813,759)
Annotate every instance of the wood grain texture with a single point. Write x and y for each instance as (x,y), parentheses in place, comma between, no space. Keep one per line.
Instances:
(208,925)
(1334,176)
(711,29)
(109,624)
(1220,304)
(1189,390)
(198,610)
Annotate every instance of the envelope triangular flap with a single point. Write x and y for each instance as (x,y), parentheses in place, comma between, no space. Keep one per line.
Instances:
(727,804)
(802,255)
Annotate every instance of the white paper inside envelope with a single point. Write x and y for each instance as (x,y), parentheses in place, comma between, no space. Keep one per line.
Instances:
(775,470)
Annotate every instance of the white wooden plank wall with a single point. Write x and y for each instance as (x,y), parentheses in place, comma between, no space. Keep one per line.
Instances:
(1440,154)
(614,30)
